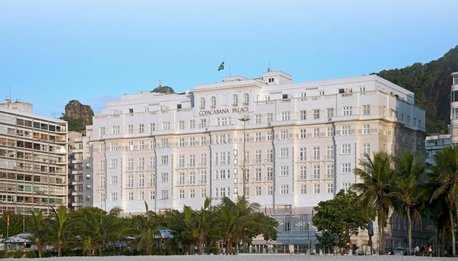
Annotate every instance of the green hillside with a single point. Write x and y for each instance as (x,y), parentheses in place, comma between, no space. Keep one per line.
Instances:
(431,84)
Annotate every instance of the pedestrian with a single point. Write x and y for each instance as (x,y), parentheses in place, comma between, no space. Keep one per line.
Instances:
(430,250)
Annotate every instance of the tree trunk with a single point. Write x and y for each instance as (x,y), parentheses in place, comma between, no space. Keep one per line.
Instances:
(38,243)
(452,222)
(381,239)
(59,248)
(409,232)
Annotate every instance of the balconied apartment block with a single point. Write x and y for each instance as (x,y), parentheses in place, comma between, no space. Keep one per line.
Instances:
(80,172)
(296,144)
(33,160)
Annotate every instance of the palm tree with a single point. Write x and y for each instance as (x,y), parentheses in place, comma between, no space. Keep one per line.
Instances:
(409,189)
(38,230)
(59,227)
(146,228)
(376,187)
(201,222)
(446,169)
(234,219)
(98,227)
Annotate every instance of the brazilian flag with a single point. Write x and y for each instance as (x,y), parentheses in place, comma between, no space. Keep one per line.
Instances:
(221,66)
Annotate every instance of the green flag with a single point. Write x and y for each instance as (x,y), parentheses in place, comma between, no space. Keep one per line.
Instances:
(221,66)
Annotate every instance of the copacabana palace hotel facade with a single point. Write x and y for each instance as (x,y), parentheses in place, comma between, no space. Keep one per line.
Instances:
(296,144)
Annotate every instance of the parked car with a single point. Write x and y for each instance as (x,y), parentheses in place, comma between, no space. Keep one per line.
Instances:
(399,251)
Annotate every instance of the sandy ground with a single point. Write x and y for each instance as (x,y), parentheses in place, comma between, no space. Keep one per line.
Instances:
(250,257)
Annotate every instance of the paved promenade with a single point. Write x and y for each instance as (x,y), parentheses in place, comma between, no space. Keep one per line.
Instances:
(252,257)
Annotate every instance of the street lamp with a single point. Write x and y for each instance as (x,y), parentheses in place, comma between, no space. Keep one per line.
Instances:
(244,120)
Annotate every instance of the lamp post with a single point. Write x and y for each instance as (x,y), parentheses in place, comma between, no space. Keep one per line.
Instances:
(244,120)
(309,245)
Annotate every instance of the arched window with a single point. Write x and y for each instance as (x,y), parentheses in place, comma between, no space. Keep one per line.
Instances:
(235,100)
(213,102)
(246,99)
(202,103)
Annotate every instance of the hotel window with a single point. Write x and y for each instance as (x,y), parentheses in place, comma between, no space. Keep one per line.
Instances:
(203,177)
(131,111)
(316,114)
(367,109)
(165,194)
(113,163)
(258,156)
(181,178)
(258,118)
(203,160)
(141,128)
(141,164)
(284,189)
(213,102)
(152,194)
(114,196)
(192,178)
(330,188)
(258,174)
(102,131)
(115,129)
(303,154)
(181,142)
(316,188)
(235,100)
(258,136)
(203,140)
(203,193)
(141,180)
(303,189)
(285,116)
(130,181)
(270,117)
(114,180)
(316,171)
(321,93)
(164,159)
(192,124)
(303,172)
(347,111)
(366,129)
(152,127)
(166,125)
(269,156)
(284,171)
(345,149)
(330,171)
(303,96)
(142,145)
(303,115)
(367,149)
(346,168)
(258,190)
(202,103)
(269,136)
(330,131)
(284,134)
(192,160)
(346,185)
(316,153)
(131,195)
(192,193)
(303,134)
(203,123)
(316,132)
(270,173)
(181,125)
(246,99)
(192,141)
(345,130)
(270,190)
(164,177)
(330,112)
(284,152)
(181,193)
(362,90)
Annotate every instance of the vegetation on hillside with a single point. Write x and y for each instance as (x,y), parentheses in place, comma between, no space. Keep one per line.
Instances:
(431,84)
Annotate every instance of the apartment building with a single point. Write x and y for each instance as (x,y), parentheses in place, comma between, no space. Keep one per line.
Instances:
(33,160)
(80,172)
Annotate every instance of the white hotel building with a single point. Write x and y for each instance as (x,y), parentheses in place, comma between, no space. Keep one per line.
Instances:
(303,141)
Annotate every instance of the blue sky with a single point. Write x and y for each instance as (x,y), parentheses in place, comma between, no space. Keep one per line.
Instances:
(95,51)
